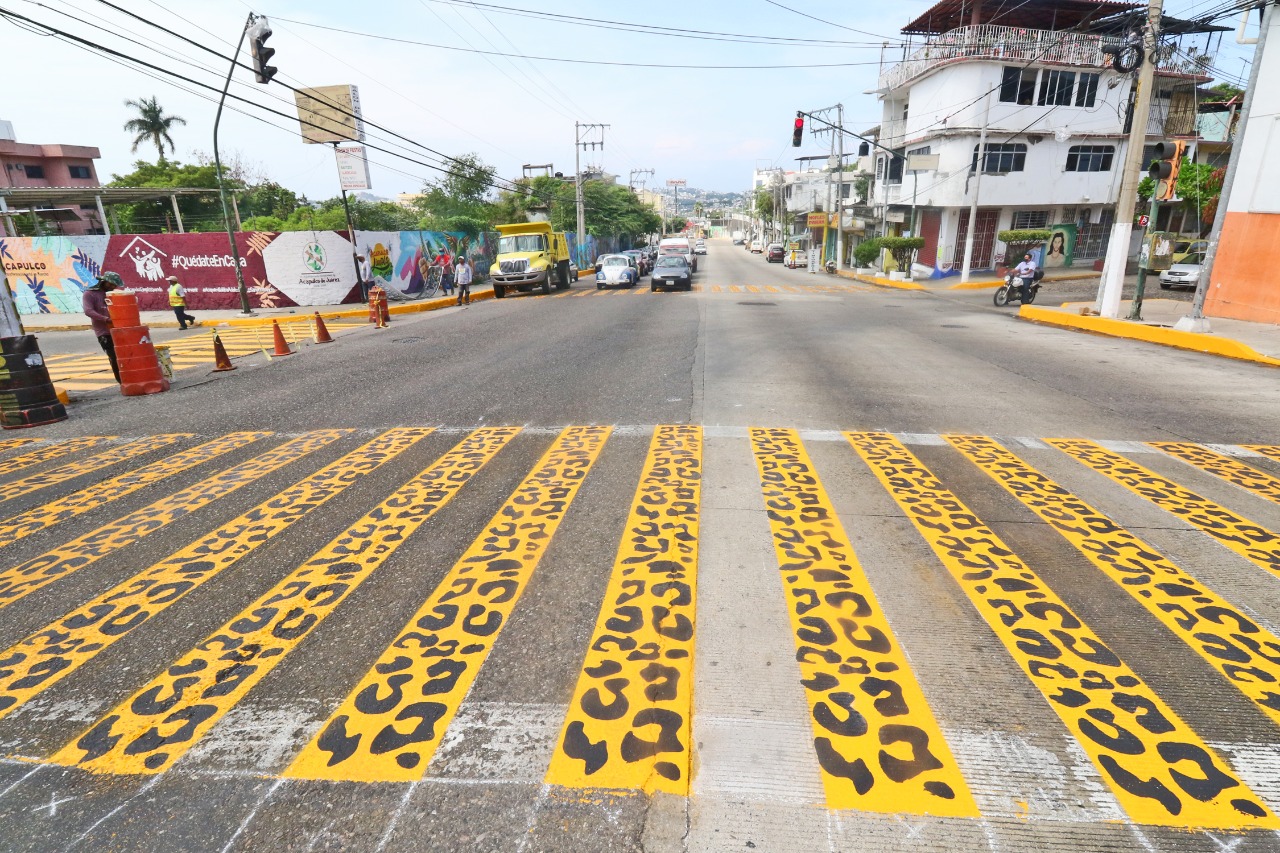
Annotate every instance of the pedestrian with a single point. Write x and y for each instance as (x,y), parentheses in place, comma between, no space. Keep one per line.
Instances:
(462,275)
(446,272)
(1027,272)
(94,304)
(364,273)
(178,302)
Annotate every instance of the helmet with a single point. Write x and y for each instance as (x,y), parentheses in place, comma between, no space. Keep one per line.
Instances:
(111,278)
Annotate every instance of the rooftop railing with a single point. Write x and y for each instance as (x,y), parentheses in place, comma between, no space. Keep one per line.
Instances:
(1014,45)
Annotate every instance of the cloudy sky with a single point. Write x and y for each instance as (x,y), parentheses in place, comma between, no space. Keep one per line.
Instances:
(422,75)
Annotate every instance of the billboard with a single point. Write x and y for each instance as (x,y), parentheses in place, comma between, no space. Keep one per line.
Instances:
(330,114)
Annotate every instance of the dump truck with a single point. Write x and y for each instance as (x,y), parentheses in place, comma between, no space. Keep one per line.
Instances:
(530,255)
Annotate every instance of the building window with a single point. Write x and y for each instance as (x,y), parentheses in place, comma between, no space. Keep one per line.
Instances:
(1090,158)
(1056,88)
(1029,219)
(80,172)
(1087,90)
(1001,157)
(36,172)
(1018,86)
(879,168)
(895,170)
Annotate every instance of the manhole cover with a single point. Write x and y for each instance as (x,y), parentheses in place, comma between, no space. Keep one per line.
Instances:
(408,340)
(770,304)
(953,326)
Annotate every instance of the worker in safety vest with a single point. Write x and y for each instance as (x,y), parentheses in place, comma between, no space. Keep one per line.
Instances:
(178,302)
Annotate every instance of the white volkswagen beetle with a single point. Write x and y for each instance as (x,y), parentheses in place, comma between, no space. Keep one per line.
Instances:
(617,271)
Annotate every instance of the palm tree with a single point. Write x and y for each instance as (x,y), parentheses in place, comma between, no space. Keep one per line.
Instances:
(151,124)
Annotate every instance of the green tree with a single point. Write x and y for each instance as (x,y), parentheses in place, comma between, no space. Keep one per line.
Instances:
(610,211)
(1226,90)
(199,212)
(328,215)
(459,199)
(151,125)
(764,204)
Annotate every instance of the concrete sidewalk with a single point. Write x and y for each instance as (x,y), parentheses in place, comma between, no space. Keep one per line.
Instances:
(1239,339)
(38,323)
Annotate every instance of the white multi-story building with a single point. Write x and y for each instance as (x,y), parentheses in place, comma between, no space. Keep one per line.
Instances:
(1055,113)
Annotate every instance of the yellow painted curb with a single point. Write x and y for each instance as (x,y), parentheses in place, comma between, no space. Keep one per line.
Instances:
(1194,341)
(886,282)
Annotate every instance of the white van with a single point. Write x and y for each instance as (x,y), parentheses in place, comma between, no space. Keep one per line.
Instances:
(679,246)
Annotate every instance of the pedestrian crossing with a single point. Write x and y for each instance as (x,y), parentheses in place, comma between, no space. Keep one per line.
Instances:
(92,371)
(883,732)
(642,289)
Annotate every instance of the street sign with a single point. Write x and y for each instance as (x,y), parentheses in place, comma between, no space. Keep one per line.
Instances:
(923,162)
(353,167)
(330,114)
(1144,220)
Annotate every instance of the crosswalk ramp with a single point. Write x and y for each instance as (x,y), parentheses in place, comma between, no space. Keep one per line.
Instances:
(901,624)
(92,371)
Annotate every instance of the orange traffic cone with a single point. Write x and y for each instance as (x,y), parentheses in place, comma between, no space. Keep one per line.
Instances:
(282,346)
(221,362)
(322,333)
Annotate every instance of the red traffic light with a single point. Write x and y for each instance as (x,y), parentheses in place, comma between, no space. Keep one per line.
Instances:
(798,133)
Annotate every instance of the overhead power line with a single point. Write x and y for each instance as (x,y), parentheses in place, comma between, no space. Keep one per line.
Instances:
(397,40)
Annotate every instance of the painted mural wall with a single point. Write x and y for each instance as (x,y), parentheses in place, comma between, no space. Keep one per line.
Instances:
(48,275)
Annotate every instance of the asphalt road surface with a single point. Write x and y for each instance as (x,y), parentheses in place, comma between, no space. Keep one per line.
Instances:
(788,563)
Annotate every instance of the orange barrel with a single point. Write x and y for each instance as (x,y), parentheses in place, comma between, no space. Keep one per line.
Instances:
(374,311)
(382,307)
(27,397)
(122,305)
(140,371)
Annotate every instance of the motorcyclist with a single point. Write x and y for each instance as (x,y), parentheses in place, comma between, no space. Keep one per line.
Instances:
(1026,271)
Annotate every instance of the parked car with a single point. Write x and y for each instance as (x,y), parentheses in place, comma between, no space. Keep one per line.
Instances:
(1186,273)
(777,252)
(756,247)
(672,271)
(642,260)
(1183,248)
(700,247)
(616,271)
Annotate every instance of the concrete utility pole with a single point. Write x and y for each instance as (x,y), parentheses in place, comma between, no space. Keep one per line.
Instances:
(967,267)
(1195,321)
(580,142)
(837,145)
(1112,285)
(631,182)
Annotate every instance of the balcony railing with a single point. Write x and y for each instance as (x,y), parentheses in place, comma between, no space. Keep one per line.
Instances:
(1014,45)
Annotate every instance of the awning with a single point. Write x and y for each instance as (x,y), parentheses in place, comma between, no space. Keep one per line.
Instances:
(35,196)
(948,15)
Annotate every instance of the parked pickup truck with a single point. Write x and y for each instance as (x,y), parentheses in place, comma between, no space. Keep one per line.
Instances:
(530,255)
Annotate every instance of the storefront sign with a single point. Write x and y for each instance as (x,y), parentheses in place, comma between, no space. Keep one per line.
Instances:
(816,220)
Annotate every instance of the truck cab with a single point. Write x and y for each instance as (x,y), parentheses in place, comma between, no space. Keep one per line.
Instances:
(530,255)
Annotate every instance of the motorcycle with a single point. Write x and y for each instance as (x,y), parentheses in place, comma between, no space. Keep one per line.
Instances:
(1012,290)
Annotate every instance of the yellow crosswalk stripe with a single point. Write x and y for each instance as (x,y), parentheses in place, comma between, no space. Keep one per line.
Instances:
(11,443)
(628,724)
(1252,541)
(877,742)
(1224,467)
(1269,450)
(1157,767)
(114,488)
(24,579)
(143,736)
(114,456)
(49,452)
(389,727)
(1246,653)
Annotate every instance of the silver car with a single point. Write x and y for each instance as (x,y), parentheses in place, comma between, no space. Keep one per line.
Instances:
(1185,273)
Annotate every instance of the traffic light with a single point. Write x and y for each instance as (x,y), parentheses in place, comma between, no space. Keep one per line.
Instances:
(798,133)
(258,35)
(1164,169)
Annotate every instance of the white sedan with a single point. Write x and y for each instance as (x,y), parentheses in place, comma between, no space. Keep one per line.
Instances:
(1183,274)
(617,271)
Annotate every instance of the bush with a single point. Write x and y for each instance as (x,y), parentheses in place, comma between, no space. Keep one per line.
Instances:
(904,249)
(1025,237)
(866,253)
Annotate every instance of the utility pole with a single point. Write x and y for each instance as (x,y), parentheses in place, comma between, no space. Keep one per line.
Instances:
(837,143)
(631,181)
(1195,321)
(1112,286)
(581,132)
(977,186)
(217,161)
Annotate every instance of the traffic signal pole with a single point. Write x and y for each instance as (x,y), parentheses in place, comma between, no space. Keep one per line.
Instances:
(217,162)
(1111,287)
